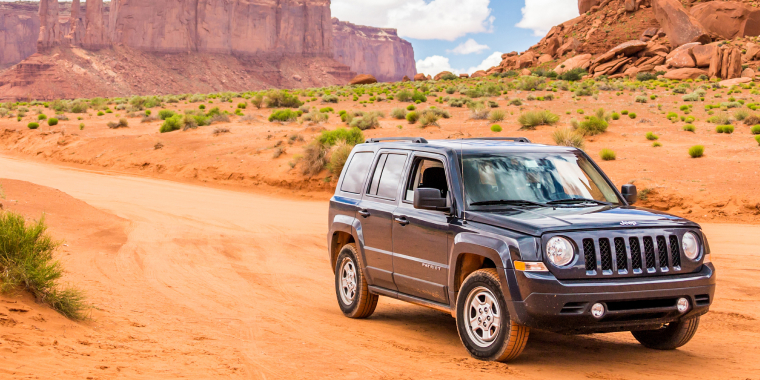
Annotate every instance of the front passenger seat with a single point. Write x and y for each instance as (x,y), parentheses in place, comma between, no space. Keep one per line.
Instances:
(435,178)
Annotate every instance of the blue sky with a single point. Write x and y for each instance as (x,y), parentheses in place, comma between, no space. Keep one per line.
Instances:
(460,35)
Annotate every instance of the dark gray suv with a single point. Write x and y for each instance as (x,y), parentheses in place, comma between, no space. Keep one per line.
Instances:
(506,236)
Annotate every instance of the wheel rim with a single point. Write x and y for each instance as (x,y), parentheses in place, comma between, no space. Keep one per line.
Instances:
(483,317)
(347,281)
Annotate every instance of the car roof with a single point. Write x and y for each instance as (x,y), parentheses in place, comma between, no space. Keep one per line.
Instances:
(473,146)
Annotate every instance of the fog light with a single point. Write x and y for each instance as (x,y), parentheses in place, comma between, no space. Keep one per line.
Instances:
(682,305)
(597,310)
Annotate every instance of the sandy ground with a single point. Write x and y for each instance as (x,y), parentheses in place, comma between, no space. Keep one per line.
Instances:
(194,282)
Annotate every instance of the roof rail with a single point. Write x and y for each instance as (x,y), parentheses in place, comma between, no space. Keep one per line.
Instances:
(416,140)
(515,139)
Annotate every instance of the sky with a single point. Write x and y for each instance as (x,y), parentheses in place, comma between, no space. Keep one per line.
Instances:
(461,36)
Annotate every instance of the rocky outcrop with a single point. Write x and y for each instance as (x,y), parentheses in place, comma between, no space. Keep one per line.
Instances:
(378,51)
(727,19)
(679,26)
(74,35)
(586,5)
(19,31)
(95,35)
(50,32)
(363,79)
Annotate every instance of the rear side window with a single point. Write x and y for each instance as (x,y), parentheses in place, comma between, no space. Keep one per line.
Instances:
(387,176)
(357,172)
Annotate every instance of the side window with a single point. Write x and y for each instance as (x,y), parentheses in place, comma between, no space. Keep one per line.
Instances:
(387,175)
(427,173)
(357,172)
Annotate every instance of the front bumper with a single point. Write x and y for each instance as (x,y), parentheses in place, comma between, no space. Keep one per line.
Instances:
(539,300)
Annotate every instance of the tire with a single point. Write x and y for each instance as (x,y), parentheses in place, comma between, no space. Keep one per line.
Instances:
(670,337)
(501,341)
(351,288)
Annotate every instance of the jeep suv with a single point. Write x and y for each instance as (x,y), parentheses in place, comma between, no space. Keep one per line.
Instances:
(506,236)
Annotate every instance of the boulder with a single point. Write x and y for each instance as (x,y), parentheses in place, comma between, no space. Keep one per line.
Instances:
(419,77)
(715,62)
(297,77)
(727,19)
(569,45)
(552,45)
(685,47)
(464,75)
(579,61)
(494,70)
(479,74)
(734,82)
(626,48)
(363,79)
(526,60)
(680,27)
(682,59)
(525,72)
(630,5)
(734,64)
(405,79)
(429,77)
(703,54)
(649,33)
(544,59)
(752,51)
(442,74)
(586,5)
(748,73)
(682,74)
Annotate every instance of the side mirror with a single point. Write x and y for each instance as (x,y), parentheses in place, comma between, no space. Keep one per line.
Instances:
(630,194)
(429,199)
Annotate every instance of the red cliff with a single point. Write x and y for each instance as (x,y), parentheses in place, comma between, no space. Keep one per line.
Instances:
(19,30)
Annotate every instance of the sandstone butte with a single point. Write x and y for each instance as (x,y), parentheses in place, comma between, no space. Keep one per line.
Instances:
(288,33)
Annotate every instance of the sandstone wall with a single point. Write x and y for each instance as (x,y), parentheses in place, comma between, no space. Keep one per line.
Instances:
(19,30)
(376,51)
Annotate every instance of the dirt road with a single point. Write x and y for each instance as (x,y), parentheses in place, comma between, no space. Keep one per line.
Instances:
(194,282)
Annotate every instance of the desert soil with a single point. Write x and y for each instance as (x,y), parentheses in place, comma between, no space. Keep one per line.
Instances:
(189,281)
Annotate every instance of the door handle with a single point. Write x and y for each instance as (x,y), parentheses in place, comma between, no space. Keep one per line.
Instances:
(364,213)
(401,220)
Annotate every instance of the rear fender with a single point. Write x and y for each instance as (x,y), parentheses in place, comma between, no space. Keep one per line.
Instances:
(352,226)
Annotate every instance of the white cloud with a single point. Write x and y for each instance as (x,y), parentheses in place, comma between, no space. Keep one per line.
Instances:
(435,64)
(492,60)
(419,19)
(542,15)
(469,47)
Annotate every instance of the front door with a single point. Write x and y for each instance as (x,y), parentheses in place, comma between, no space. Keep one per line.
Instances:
(420,237)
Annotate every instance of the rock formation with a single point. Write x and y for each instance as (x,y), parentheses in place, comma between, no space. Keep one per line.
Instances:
(95,35)
(373,50)
(680,27)
(585,5)
(727,19)
(50,32)
(19,31)
(74,34)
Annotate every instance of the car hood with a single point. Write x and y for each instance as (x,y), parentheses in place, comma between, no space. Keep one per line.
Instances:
(537,221)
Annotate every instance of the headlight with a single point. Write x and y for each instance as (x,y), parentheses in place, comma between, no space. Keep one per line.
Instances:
(690,245)
(559,251)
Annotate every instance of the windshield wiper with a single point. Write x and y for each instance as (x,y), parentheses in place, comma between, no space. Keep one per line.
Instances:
(511,202)
(577,200)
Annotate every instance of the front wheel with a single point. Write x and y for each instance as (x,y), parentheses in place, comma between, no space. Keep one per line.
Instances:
(351,287)
(483,321)
(670,337)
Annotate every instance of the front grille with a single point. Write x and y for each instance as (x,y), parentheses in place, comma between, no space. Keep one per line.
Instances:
(632,255)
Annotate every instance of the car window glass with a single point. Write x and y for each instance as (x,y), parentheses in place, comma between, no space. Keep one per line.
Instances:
(378,171)
(427,173)
(357,172)
(390,176)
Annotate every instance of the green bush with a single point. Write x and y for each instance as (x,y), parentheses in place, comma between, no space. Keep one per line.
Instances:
(646,76)
(641,99)
(428,119)
(52,121)
(366,121)
(242,105)
(419,97)
(27,263)
(689,128)
(41,116)
(532,119)
(741,115)
(122,123)
(607,155)
(326,109)
(496,128)
(411,107)
(624,112)
(573,75)
(592,126)
(165,114)
(696,151)
(632,115)
(284,115)
(615,116)
(497,115)
(728,129)
(757,138)
(338,158)
(33,125)
(202,107)
(351,136)
(398,113)
(656,144)
(568,137)
(404,96)
(651,136)
(412,117)
(282,98)
(755,130)
(330,99)
(172,123)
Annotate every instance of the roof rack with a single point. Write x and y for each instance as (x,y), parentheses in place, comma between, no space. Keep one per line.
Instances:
(515,139)
(416,140)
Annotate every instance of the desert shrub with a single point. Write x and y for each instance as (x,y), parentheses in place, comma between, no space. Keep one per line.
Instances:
(326,109)
(531,83)
(78,106)
(283,115)
(741,115)
(753,119)
(122,123)
(41,117)
(330,99)
(451,90)
(404,96)
(689,128)
(411,107)
(757,138)
(314,159)
(242,105)
(573,75)
(458,102)
(351,136)
(366,121)
(496,128)
(515,102)
(624,112)
(412,117)
(316,117)
(419,97)
(696,151)
(165,114)
(615,116)
(656,144)
(755,130)
(473,93)
(33,125)
(52,121)
(428,119)
(607,155)
(282,98)
(728,129)
(478,111)
(651,136)
(218,118)
(257,101)
(338,158)
(497,115)
(148,119)
(27,263)
(643,77)
(693,97)
(568,137)
(532,119)
(592,126)
(172,123)
(219,131)
(398,113)
(641,99)
(632,115)
(730,105)
(449,76)
(721,118)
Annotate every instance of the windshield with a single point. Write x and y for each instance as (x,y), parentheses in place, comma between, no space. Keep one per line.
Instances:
(534,179)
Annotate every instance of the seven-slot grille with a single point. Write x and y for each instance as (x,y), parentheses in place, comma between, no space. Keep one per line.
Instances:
(641,254)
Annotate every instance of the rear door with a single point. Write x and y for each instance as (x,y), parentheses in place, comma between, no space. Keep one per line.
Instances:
(376,215)
(420,237)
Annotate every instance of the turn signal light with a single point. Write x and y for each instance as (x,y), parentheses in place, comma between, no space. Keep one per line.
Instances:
(530,266)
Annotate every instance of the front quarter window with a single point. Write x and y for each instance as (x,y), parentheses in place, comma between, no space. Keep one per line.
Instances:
(535,178)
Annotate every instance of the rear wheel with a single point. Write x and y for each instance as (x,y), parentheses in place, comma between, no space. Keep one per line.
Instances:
(483,321)
(354,298)
(670,337)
